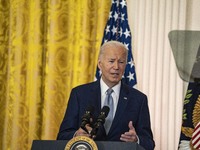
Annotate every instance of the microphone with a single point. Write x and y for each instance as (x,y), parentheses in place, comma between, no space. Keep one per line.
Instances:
(100,120)
(86,117)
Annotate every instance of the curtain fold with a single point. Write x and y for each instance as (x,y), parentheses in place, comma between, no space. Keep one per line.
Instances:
(46,49)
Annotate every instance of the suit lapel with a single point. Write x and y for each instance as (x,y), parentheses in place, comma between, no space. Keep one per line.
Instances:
(121,106)
(96,102)
(96,98)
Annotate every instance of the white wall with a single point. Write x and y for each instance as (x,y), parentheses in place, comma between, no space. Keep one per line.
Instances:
(150,22)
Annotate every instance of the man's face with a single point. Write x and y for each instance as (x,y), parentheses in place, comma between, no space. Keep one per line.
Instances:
(112,65)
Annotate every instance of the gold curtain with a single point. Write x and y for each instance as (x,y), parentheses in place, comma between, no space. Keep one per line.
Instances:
(46,48)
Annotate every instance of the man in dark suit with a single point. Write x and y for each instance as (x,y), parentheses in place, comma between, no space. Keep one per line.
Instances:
(131,119)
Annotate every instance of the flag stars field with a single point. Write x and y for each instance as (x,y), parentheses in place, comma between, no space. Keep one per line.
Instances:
(117,29)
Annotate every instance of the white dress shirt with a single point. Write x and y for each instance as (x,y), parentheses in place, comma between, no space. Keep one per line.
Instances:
(115,94)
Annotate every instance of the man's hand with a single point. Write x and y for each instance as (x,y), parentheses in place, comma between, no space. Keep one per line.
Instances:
(131,135)
(81,132)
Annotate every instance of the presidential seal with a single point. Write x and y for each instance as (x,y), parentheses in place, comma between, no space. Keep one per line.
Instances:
(81,143)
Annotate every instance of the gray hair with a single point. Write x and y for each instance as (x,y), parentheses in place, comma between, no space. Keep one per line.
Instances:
(112,44)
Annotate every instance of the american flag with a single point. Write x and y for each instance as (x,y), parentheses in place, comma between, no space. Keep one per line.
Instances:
(118,29)
(196,137)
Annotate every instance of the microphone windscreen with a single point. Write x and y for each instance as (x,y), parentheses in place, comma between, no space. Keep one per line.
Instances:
(90,109)
(105,110)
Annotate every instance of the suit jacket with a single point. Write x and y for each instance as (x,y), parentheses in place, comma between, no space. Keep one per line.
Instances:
(132,106)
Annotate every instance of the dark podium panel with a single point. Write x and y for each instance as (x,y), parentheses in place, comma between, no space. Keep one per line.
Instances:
(60,145)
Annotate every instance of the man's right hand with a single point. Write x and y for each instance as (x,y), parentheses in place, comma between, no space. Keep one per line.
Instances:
(81,132)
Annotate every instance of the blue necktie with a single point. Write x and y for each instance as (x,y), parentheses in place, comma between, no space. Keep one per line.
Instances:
(110,104)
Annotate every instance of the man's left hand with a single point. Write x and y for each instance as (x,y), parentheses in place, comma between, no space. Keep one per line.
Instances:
(131,135)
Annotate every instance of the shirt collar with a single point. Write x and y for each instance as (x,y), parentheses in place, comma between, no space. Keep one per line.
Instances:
(104,87)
